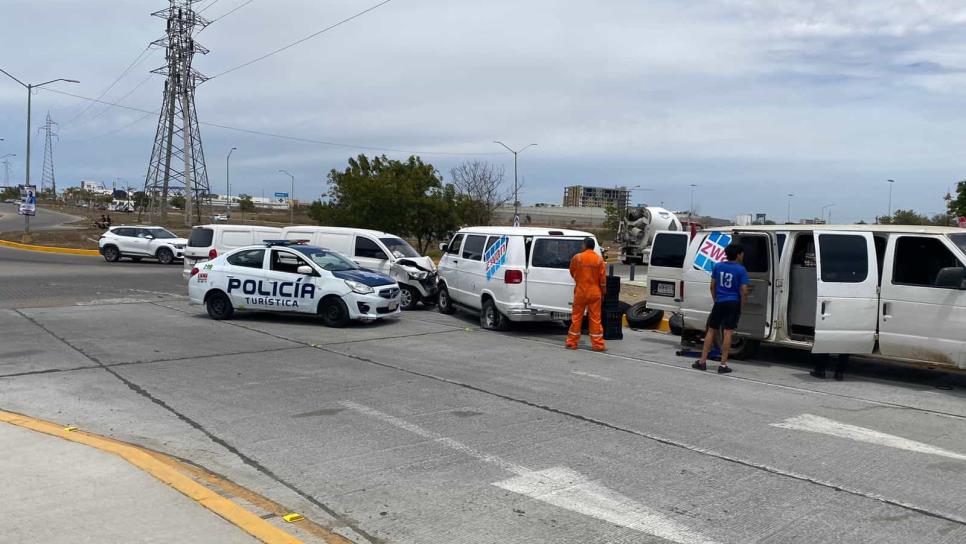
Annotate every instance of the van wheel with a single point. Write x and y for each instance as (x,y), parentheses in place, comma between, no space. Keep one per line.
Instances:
(443,303)
(408,298)
(639,317)
(741,348)
(111,254)
(334,312)
(165,256)
(491,319)
(676,324)
(219,306)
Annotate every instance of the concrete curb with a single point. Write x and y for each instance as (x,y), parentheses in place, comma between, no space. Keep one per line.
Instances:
(144,460)
(50,249)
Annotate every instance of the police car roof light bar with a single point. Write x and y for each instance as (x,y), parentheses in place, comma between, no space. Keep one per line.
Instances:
(271,243)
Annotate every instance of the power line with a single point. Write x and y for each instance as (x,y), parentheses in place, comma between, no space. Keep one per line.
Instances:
(305,39)
(137,60)
(223,15)
(282,136)
(120,128)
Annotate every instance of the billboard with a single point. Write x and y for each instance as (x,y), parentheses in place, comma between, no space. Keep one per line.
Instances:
(28,200)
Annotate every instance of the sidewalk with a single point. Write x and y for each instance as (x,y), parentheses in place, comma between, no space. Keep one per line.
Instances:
(55,491)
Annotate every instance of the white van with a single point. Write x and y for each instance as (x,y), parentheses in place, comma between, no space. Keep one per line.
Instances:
(510,273)
(209,241)
(380,252)
(890,291)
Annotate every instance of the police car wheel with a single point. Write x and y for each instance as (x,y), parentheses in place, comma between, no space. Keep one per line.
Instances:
(165,256)
(490,317)
(408,298)
(334,312)
(443,302)
(219,306)
(111,254)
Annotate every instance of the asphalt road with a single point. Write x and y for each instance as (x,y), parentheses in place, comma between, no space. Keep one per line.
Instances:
(44,220)
(428,429)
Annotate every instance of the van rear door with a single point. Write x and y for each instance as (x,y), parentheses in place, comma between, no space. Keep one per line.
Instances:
(846,312)
(549,285)
(666,270)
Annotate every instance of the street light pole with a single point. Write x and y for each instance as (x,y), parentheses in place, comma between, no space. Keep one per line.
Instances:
(228,182)
(829,208)
(789,220)
(291,199)
(516,198)
(691,206)
(891,182)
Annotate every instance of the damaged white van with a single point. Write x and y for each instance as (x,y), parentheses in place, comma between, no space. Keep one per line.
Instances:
(889,291)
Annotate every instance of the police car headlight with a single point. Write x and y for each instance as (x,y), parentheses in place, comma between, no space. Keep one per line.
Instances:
(418,275)
(360,288)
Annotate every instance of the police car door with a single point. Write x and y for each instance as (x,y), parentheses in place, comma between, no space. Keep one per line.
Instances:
(289,290)
(665,274)
(549,285)
(243,270)
(846,313)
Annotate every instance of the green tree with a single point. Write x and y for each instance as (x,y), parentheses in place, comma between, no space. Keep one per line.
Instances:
(178,201)
(10,193)
(405,198)
(957,205)
(141,200)
(245,203)
(612,217)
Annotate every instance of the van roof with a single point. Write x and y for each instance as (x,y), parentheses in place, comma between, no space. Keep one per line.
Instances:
(234,226)
(913,229)
(524,231)
(338,230)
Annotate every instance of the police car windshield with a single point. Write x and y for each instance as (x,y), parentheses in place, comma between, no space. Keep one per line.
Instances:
(399,247)
(329,260)
(160,234)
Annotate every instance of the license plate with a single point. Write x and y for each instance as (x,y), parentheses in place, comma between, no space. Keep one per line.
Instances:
(393,306)
(663,289)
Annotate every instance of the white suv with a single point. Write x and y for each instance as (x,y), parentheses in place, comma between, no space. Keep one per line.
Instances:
(138,242)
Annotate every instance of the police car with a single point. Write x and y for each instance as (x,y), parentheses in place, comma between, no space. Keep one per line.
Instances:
(287,276)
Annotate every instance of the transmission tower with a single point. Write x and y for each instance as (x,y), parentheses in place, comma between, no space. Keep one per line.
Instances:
(50,132)
(178,161)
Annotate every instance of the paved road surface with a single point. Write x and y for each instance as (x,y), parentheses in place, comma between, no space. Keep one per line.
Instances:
(428,429)
(44,220)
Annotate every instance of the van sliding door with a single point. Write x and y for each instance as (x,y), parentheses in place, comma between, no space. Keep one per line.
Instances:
(759,262)
(848,279)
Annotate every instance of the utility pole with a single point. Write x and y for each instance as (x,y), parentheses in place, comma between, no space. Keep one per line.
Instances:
(691,206)
(516,187)
(228,181)
(47,178)
(891,182)
(829,208)
(789,220)
(179,167)
(291,199)
(6,169)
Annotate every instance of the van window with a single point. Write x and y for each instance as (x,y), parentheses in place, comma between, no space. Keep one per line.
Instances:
(473,247)
(369,249)
(251,258)
(959,240)
(844,258)
(780,240)
(454,245)
(669,251)
(201,237)
(283,261)
(919,259)
(555,252)
(756,253)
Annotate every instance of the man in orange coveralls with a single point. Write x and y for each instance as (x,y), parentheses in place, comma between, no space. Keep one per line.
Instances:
(587,269)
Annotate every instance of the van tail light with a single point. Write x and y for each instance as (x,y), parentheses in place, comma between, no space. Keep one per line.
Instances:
(212,253)
(194,271)
(513,276)
(682,289)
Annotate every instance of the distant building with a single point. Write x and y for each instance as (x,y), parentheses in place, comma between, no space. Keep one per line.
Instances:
(578,196)
(95,187)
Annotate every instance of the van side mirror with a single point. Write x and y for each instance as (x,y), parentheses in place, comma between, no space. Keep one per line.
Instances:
(951,277)
(305,270)
(443,246)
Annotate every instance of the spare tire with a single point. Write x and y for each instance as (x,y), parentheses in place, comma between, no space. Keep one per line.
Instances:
(639,317)
(676,324)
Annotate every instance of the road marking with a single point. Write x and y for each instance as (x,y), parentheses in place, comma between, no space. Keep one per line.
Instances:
(558,486)
(589,375)
(816,424)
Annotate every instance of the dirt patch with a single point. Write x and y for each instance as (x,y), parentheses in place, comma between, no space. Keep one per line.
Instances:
(71,238)
(632,294)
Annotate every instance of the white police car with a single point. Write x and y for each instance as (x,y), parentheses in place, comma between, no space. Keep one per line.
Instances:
(286,276)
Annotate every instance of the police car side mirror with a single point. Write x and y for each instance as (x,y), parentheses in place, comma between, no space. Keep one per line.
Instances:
(305,270)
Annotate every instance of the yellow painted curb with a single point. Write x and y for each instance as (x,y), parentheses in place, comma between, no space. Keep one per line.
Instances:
(50,249)
(665,325)
(227,509)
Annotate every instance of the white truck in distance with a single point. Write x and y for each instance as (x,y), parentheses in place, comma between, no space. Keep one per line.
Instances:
(636,231)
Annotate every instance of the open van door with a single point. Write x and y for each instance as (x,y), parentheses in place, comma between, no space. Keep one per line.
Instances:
(548,282)
(665,274)
(846,312)
(756,316)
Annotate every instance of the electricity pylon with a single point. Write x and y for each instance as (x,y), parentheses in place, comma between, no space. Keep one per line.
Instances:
(50,132)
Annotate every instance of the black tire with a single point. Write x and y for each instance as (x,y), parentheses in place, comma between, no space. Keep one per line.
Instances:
(219,306)
(111,254)
(443,303)
(334,312)
(639,317)
(408,298)
(165,256)
(491,319)
(676,324)
(741,348)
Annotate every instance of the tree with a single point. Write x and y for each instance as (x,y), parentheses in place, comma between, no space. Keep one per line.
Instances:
(405,198)
(178,201)
(245,203)
(141,201)
(10,193)
(957,205)
(481,185)
(612,217)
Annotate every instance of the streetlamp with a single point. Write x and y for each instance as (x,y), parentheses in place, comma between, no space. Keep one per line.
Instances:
(691,207)
(829,207)
(891,182)
(228,182)
(789,220)
(30,87)
(291,199)
(516,199)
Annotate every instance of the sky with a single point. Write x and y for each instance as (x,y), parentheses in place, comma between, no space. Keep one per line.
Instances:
(748,100)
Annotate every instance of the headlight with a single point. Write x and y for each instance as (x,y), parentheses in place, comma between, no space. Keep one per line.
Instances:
(179,246)
(418,275)
(360,288)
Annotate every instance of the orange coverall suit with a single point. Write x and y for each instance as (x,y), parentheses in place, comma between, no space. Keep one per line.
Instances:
(587,269)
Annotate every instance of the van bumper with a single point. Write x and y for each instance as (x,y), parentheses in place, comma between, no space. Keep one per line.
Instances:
(522,314)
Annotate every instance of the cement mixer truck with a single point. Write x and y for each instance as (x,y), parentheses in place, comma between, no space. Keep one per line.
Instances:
(636,231)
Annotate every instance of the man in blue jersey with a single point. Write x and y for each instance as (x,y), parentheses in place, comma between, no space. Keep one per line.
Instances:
(729,290)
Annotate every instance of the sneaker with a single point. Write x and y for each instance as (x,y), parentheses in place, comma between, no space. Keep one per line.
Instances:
(699,365)
(724,369)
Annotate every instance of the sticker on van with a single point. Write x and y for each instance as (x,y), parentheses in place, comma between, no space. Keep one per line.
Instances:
(712,251)
(495,257)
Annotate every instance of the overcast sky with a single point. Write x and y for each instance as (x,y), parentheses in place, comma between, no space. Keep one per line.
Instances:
(750,100)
